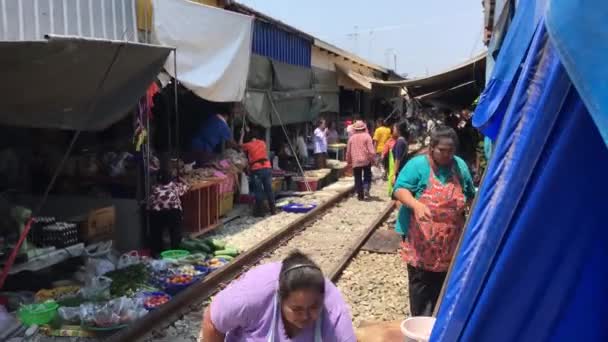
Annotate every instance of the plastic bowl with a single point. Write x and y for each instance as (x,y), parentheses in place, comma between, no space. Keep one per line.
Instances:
(38,314)
(204,270)
(418,329)
(174,254)
(298,208)
(174,289)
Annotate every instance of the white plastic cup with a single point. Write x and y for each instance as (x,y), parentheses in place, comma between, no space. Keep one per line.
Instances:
(417,329)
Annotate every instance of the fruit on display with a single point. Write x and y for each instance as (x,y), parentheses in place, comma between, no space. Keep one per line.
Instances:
(154,301)
(181,279)
(216,263)
(190,270)
(56,293)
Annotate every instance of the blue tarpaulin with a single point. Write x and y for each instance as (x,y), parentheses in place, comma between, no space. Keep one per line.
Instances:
(532,262)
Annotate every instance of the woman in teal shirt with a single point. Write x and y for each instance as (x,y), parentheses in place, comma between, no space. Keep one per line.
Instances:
(433,189)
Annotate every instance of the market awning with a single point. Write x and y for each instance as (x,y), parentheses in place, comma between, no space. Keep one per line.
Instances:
(351,79)
(460,96)
(471,70)
(74,83)
(213,47)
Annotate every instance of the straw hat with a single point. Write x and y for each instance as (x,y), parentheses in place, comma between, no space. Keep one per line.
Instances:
(359,126)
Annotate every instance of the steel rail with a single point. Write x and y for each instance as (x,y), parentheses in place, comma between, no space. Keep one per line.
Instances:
(193,295)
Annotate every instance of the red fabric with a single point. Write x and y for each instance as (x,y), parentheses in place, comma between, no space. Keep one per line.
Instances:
(11,258)
(360,150)
(388,146)
(152,90)
(167,196)
(431,245)
(256,150)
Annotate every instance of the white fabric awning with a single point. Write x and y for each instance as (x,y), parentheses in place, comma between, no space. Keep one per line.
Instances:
(213,47)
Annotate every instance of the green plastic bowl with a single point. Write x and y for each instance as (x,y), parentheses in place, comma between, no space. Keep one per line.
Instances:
(38,314)
(174,254)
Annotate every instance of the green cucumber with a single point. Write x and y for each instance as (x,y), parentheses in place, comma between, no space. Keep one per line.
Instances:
(203,247)
(207,242)
(228,258)
(218,244)
(228,251)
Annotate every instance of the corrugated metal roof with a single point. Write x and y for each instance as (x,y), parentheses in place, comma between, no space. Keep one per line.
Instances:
(280,45)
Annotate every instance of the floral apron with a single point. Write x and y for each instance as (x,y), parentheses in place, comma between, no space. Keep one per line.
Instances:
(431,245)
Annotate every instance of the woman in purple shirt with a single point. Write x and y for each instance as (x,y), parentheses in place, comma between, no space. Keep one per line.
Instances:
(276,302)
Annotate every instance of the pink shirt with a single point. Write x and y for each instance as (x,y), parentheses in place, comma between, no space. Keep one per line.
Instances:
(360,150)
(243,310)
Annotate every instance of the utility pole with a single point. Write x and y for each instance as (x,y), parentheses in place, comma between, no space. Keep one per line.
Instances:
(395,60)
(355,37)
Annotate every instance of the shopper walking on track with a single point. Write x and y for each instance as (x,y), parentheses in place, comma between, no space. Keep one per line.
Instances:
(166,211)
(382,134)
(276,302)
(434,190)
(360,154)
(260,172)
(320,141)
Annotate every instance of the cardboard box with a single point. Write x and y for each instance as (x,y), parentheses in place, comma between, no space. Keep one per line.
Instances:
(98,225)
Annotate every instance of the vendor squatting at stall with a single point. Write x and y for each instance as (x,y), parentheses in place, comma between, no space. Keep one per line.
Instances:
(360,154)
(288,301)
(436,188)
(260,171)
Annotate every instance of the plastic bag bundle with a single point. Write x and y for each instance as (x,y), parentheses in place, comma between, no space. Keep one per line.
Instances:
(115,312)
(128,259)
(98,288)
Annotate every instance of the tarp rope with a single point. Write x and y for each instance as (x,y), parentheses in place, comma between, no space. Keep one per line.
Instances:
(293,151)
(66,155)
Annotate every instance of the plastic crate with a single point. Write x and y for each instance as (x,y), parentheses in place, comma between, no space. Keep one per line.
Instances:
(277,184)
(301,184)
(226,203)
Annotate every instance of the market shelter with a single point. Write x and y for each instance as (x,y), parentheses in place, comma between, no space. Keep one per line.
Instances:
(455,88)
(74,83)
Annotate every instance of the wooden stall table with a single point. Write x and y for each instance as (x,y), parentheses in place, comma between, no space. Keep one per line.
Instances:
(201,207)
(380,332)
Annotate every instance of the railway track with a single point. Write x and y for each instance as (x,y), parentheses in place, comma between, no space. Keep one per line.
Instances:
(331,234)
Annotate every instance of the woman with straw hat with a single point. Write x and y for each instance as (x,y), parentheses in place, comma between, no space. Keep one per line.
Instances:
(360,154)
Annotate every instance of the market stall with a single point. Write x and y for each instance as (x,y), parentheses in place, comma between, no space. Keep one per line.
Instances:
(116,290)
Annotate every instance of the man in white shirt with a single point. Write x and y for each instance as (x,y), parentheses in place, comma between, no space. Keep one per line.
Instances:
(320,143)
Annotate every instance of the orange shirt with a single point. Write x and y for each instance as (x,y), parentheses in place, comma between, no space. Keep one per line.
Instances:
(256,150)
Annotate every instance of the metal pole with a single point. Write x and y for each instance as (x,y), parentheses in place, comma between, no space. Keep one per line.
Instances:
(176,107)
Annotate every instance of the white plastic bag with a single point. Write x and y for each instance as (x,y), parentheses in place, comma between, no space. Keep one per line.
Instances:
(128,259)
(244,184)
(96,267)
(100,259)
(98,288)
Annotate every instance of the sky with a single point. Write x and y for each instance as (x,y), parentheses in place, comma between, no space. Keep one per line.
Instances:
(427,36)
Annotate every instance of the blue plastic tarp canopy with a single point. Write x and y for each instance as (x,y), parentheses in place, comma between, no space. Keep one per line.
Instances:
(532,262)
